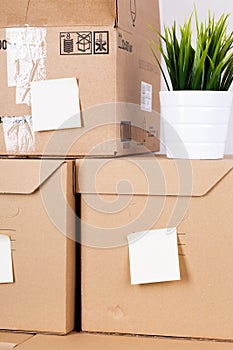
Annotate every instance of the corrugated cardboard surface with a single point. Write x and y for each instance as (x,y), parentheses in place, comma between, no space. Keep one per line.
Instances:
(72,13)
(149,174)
(93,342)
(13,13)
(32,12)
(102,78)
(132,15)
(37,213)
(8,341)
(194,196)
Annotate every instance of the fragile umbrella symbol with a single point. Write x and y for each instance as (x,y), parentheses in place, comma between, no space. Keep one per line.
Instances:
(133,11)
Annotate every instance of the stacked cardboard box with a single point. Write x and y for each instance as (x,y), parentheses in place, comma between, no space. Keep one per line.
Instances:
(37,207)
(103,44)
(127,195)
(91,342)
(9,341)
(192,195)
(105,47)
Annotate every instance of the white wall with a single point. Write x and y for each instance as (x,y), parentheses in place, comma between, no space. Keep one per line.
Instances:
(180,10)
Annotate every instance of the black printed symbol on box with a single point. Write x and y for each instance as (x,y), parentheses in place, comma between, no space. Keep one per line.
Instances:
(101,43)
(84,42)
(3,44)
(67,43)
(133,11)
(76,43)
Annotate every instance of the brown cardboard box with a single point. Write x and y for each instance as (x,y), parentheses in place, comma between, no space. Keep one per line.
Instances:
(37,213)
(9,341)
(104,46)
(94,342)
(122,196)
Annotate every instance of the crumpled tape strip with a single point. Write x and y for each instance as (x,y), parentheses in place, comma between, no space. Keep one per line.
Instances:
(18,134)
(26,56)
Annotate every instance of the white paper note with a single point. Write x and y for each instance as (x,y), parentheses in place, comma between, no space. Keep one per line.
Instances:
(154,256)
(55,104)
(6,270)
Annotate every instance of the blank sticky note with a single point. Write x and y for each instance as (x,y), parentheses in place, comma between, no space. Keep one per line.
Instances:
(154,256)
(6,271)
(55,104)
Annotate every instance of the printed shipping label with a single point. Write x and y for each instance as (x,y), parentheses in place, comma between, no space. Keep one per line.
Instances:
(146,97)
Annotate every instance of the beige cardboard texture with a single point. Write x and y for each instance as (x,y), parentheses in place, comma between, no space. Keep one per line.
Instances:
(33,13)
(13,13)
(133,16)
(9,341)
(37,213)
(59,13)
(96,342)
(136,194)
(108,56)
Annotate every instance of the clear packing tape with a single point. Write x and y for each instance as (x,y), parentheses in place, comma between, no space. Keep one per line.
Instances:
(26,57)
(18,134)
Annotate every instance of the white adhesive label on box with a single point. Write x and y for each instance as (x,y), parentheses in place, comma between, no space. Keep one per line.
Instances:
(26,55)
(55,104)
(154,256)
(18,134)
(6,270)
(146,97)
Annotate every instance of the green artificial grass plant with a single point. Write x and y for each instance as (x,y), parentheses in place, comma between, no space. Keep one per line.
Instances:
(208,66)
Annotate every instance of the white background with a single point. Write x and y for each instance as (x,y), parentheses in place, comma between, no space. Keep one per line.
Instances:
(180,10)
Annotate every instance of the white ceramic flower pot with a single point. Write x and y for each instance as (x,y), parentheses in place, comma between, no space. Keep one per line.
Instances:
(195,123)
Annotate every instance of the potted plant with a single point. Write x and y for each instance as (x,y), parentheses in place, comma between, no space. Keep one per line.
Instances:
(196,108)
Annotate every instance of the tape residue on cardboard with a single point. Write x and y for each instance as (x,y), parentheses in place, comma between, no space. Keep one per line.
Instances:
(18,134)
(26,57)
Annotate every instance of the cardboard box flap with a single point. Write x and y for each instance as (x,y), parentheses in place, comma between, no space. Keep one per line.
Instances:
(9,341)
(207,174)
(135,16)
(36,13)
(24,177)
(150,175)
(73,12)
(13,13)
(81,341)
